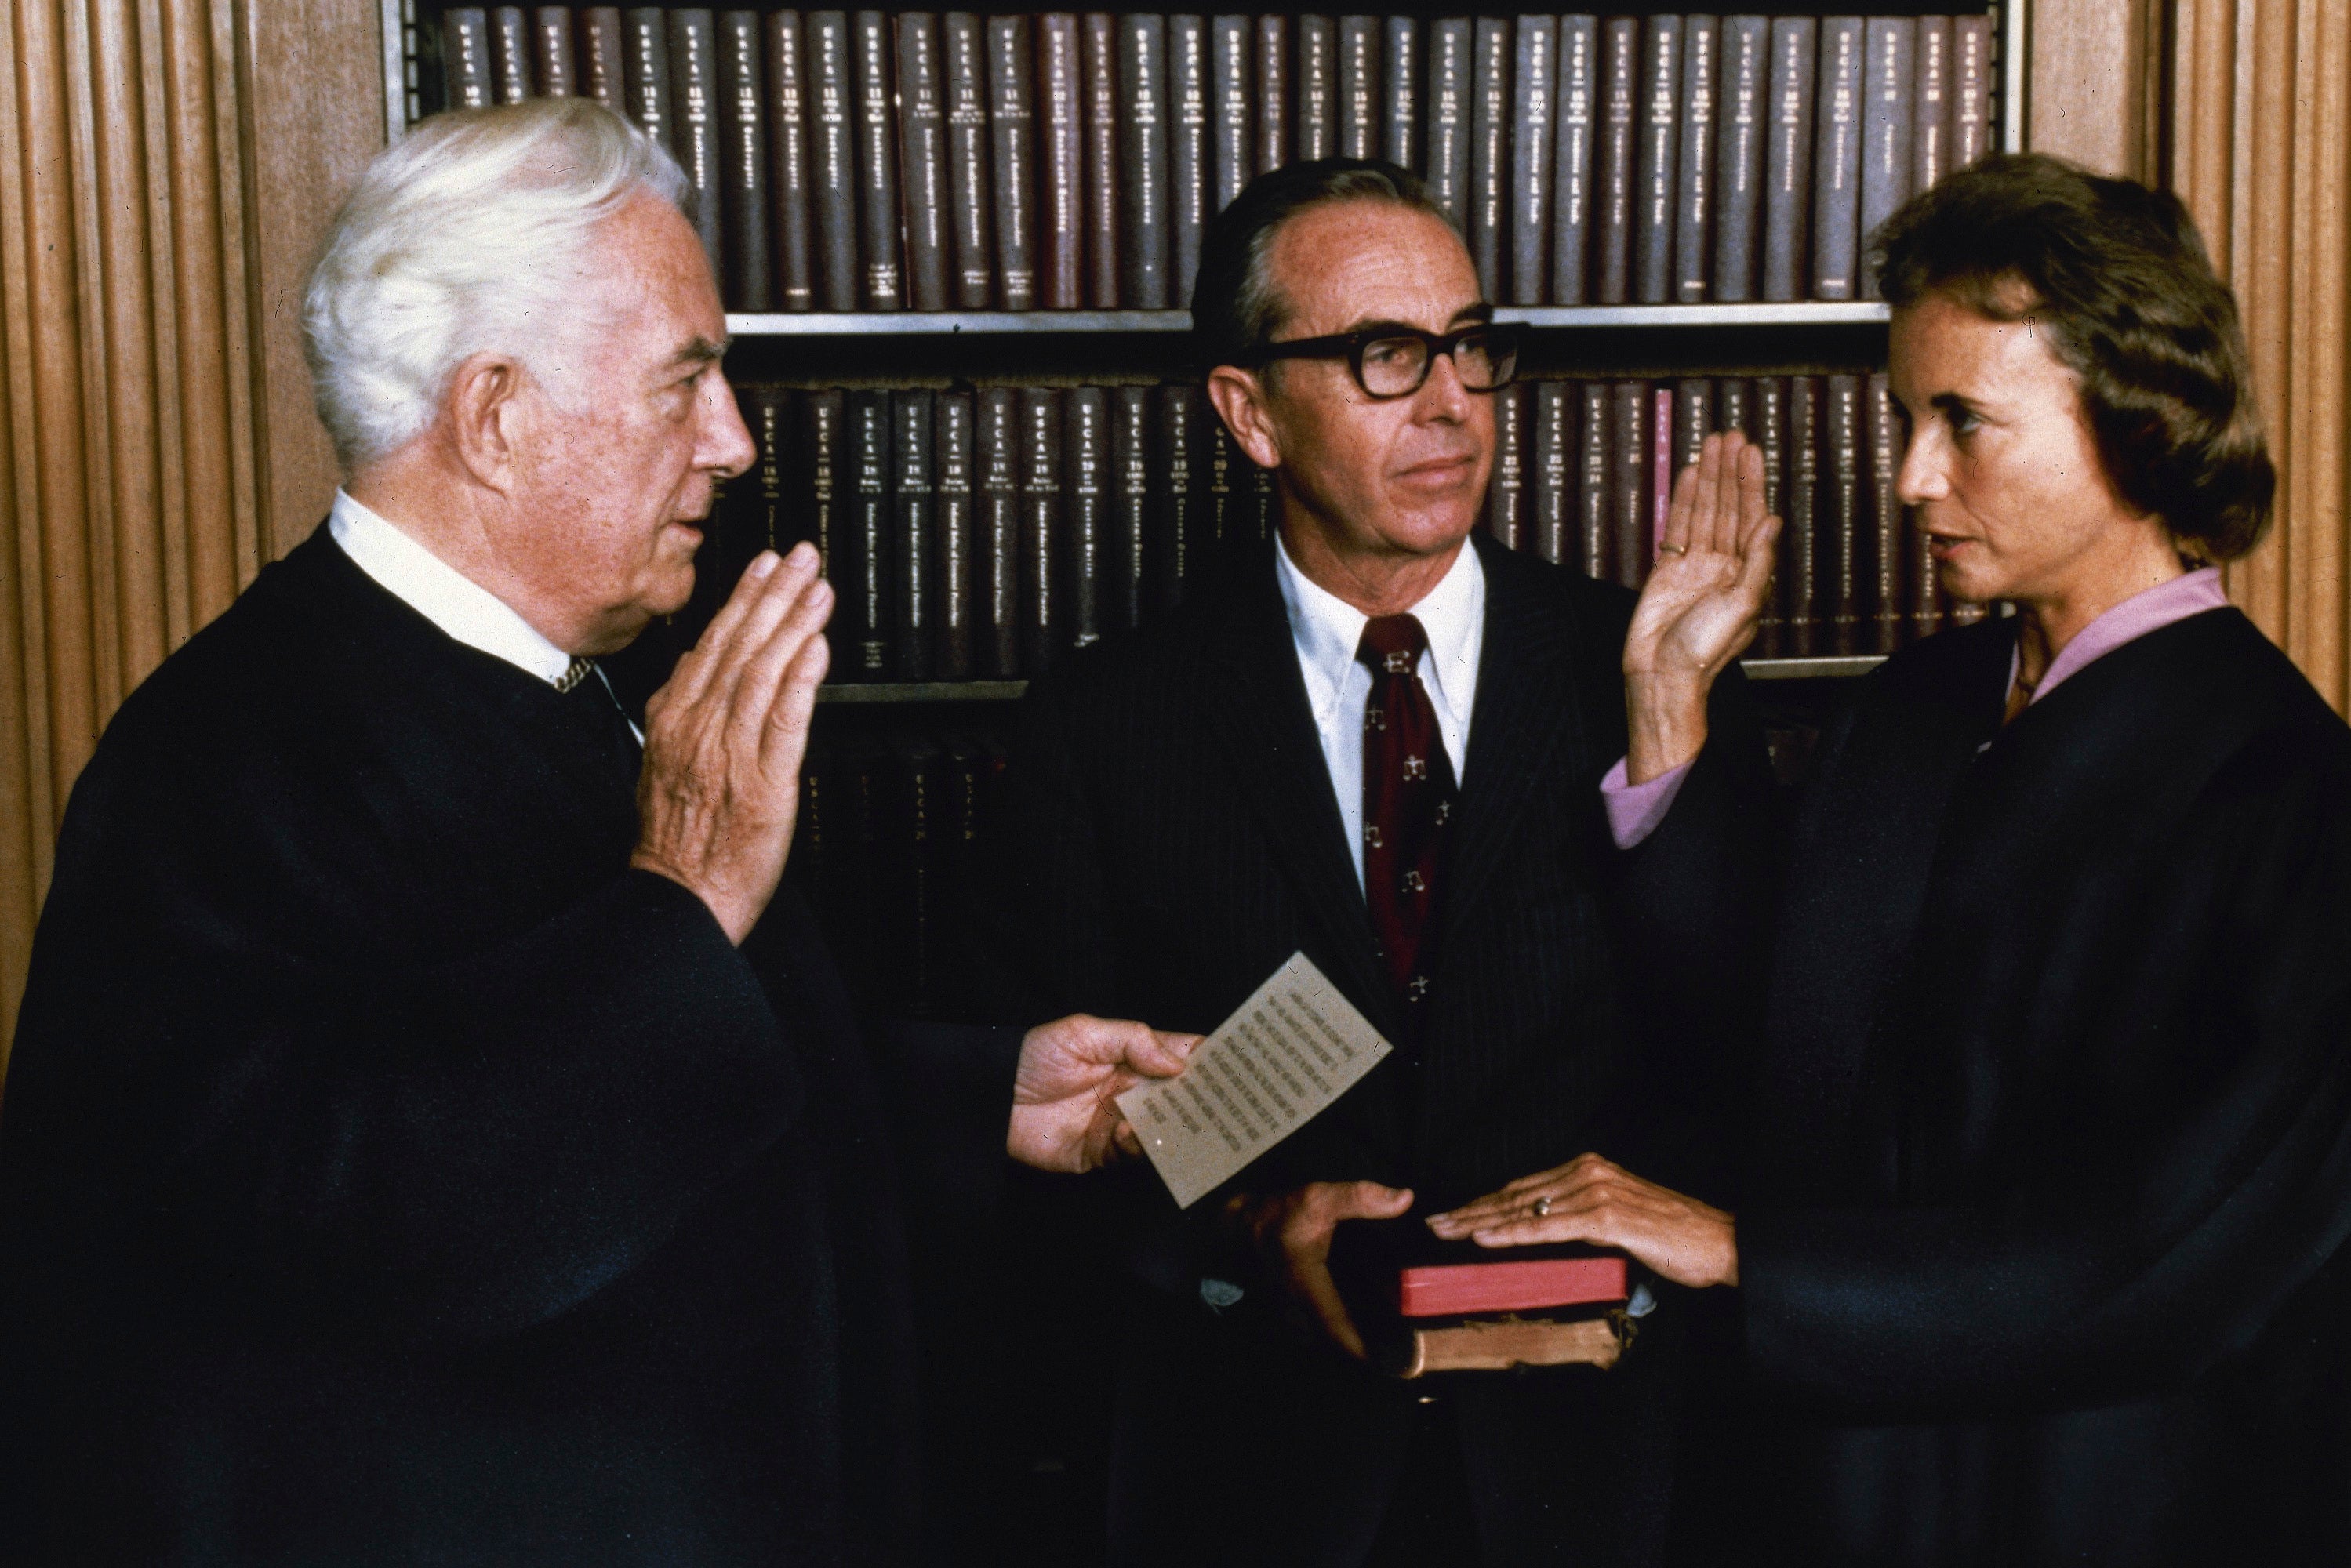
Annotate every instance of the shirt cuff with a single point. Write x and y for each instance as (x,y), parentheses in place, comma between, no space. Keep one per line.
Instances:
(1636,810)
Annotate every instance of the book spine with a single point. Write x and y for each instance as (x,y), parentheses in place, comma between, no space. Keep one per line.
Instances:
(1971,127)
(1888,534)
(750,270)
(997,445)
(1314,135)
(645,72)
(865,543)
(465,81)
(1734,408)
(1695,195)
(1693,421)
(1272,93)
(1931,121)
(1231,45)
(1662,429)
(1359,87)
(1061,259)
(1744,114)
(882,283)
(1262,514)
(952,437)
(509,54)
(1086,511)
(1221,473)
(1451,91)
(1836,168)
(601,74)
(1843,526)
(694,110)
(1788,160)
(1800,575)
(1595,522)
(1628,482)
(1127,565)
(822,441)
(1143,172)
(1012,149)
(1506,493)
(1571,236)
(1042,616)
(963,41)
(834,166)
(1768,425)
(1490,152)
(1177,554)
(1660,132)
(922,119)
(1098,52)
(912,508)
(788,162)
(1889,65)
(554,65)
(1400,92)
(768,412)
(1551,462)
(1191,155)
(1617,159)
(1534,93)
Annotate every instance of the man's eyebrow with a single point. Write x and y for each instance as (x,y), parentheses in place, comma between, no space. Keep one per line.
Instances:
(1478,312)
(700,351)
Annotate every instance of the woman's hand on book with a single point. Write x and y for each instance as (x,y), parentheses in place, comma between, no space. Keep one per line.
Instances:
(1590,1199)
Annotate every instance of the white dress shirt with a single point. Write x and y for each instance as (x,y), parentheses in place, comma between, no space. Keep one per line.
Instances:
(1327,630)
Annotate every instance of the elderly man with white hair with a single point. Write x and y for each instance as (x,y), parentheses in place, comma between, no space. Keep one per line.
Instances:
(434,1137)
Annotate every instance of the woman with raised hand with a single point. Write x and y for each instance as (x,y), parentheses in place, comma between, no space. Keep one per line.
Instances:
(2040,1250)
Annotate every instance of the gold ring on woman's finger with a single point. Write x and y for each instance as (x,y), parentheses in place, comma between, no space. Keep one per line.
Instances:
(1673,550)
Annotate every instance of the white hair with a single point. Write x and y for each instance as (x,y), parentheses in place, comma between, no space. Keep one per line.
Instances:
(472,233)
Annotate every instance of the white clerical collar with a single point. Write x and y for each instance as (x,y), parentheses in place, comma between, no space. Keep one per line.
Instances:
(1328,630)
(454,603)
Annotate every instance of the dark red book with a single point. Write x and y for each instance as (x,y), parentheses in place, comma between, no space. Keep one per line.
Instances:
(1426,1305)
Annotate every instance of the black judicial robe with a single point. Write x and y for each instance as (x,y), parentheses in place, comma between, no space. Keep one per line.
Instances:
(389,1174)
(2042,1253)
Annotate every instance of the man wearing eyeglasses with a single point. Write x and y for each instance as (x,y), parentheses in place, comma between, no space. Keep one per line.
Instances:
(1379,738)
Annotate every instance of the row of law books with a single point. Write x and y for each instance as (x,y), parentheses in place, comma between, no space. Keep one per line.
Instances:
(983,534)
(877,161)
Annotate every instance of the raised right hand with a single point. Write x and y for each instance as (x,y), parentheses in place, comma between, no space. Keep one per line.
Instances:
(1292,1233)
(724,740)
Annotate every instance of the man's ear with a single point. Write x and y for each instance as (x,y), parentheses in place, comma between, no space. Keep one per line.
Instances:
(1240,396)
(481,408)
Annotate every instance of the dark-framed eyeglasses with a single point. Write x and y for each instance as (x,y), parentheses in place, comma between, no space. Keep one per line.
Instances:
(1395,362)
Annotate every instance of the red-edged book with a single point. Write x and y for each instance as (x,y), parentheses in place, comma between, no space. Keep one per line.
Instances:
(1427,1305)
(1502,1282)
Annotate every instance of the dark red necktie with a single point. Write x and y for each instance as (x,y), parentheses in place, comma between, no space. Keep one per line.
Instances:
(1407,803)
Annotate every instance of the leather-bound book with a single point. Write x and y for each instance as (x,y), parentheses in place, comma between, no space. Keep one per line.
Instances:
(1191,153)
(913,511)
(1226,485)
(1232,56)
(694,123)
(1734,405)
(1662,429)
(1424,1305)
(509,54)
(1273,93)
(953,610)
(1767,427)
(1506,493)
(554,63)
(1788,162)
(912,927)
(1451,91)
(1837,160)
(1087,502)
(1889,69)
(922,121)
(1534,94)
(1126,572)
(645,72)
(1400,92)
(1044,617)
(1972,133)
(1693,421)
(1595,522)
(1694,191)
(971,215)
(791,182)
(465,79)
(1930,116)
(1742,130)
(832,165)
(1889,529)
(1550,469)
(1360,109)
(1659,157)
(864,579)
(819,457)
(1145,283)
(1570,163)
(1490,152)
(1181,545)
(1262,512)
(1013,158)
(1315,128)
(1628,482)
(1842,525)
(1615,160)
(996,528)
(882,283)
(749,274)
(1098,52)
(1800,549)
(1061,164)
(601,74)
